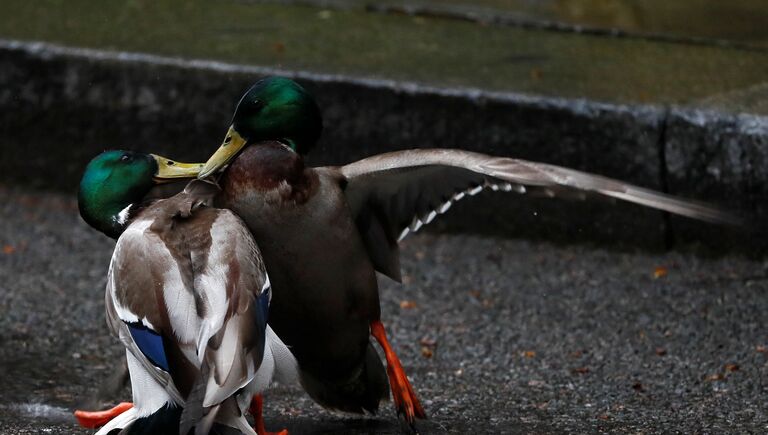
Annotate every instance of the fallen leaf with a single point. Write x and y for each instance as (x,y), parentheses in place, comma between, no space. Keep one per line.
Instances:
(660,351)
(426,352)
(715,377)
(603,417)
(407,305)
(581,370)
(9,249)
(660,272)
(529,353)
(762,349)
(576,354)
(536,74)
(429,342)
(732,368)
(278,47)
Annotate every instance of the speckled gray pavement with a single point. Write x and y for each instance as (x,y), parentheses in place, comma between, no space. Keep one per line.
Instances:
(524,337)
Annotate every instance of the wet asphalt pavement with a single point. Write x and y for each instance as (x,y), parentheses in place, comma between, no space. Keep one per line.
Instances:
(498,336)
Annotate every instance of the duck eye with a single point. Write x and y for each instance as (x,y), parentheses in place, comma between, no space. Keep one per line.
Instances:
(125,158)
(257,105)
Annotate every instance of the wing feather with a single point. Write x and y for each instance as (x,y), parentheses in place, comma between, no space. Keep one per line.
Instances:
(232,344)
(187,295)
(393,194)
(224,341)
(119,315)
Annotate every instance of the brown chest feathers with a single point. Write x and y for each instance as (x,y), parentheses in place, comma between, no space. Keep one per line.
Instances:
(273,169)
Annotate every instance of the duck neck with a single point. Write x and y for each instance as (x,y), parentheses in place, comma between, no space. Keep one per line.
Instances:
(270,169)
(267,165)
(109,217)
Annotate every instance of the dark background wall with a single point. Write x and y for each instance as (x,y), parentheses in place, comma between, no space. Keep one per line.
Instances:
(61,107)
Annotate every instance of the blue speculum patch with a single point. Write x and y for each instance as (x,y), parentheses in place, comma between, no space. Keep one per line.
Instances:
(263,302)
(150,343)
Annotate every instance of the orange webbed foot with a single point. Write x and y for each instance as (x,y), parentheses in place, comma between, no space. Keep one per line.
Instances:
(94,419)
(403,395)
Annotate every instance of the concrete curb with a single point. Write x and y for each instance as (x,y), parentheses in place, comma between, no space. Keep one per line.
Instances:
(60,106)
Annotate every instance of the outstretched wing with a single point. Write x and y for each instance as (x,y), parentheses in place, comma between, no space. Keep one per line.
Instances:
(393,194)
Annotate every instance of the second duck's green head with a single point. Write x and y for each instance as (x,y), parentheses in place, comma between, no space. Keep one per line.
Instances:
(116,180)
(275,108)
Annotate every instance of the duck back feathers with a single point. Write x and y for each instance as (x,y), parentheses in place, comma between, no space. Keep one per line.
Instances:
(186,295)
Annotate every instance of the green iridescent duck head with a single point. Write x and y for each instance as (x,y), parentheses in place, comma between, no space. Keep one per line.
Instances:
(275,108)
(116,181)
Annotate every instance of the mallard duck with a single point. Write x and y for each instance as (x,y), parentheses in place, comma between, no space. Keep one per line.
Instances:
(187,295)
(325,231)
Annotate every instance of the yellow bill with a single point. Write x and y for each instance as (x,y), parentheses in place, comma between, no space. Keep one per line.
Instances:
(232,144)
(170,170)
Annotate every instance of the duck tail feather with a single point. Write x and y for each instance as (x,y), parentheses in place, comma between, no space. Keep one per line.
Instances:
(194,412)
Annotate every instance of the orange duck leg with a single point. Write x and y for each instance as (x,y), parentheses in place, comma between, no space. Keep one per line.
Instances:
(405,399)
(256,409)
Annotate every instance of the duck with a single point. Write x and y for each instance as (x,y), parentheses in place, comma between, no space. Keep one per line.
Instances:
(188,297)
(324,232)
